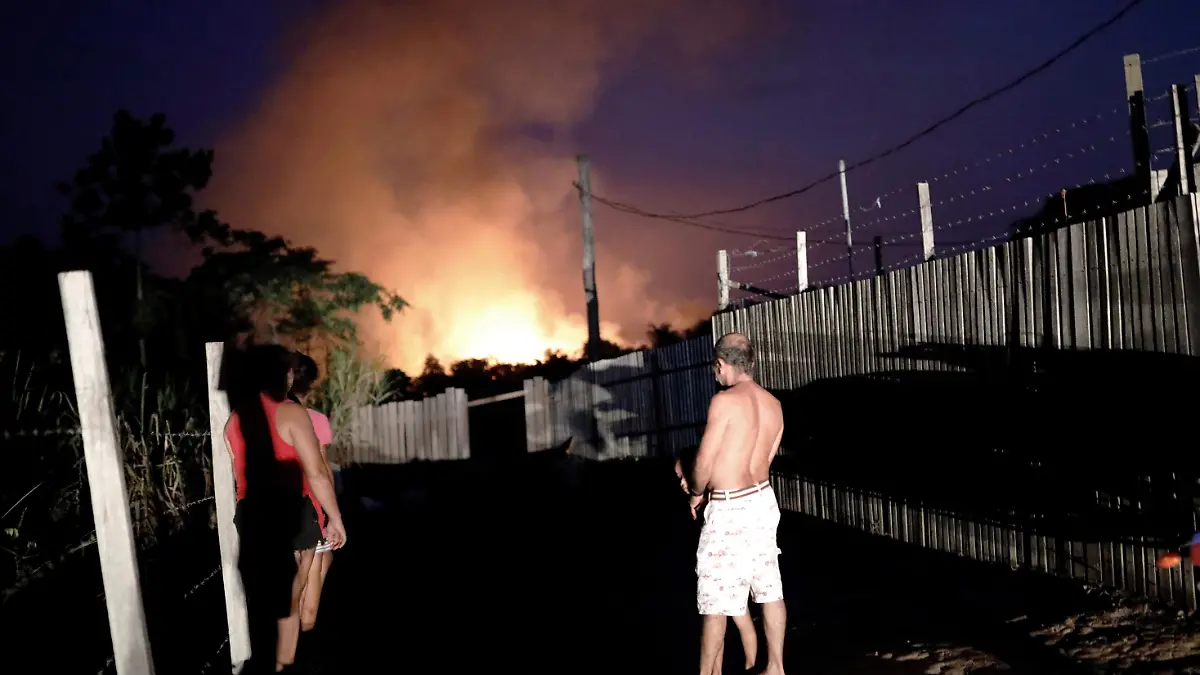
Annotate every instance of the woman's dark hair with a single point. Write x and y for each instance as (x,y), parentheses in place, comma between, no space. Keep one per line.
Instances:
(259,370)
(687,461)
(304,374)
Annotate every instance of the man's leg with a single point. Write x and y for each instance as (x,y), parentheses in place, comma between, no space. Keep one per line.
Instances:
(745,626)
(775,629)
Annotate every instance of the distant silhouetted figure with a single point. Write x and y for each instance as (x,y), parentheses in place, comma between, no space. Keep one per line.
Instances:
(304,376)
(283,483)
(738,554)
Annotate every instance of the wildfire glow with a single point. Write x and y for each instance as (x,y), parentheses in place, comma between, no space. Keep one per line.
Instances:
(392,143)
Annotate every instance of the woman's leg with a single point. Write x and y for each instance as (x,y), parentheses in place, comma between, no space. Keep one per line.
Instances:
(745,626)
(289,627)
(312,590)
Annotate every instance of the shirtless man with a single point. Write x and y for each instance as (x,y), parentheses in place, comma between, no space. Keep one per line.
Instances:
(738,555)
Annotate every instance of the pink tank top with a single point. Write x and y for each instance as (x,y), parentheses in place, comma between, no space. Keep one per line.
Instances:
(321,425)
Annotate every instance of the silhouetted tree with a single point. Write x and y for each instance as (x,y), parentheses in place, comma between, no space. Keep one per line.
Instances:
(433,379)
(261,280)
(662,335)
(136,182)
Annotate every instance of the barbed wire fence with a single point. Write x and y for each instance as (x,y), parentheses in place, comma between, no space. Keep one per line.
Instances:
(985,210)
(896,227)
(48,514)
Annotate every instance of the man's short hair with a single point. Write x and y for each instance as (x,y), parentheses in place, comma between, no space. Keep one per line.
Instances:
(736,350)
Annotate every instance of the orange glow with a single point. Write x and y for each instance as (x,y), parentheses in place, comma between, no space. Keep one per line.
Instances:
(391,143)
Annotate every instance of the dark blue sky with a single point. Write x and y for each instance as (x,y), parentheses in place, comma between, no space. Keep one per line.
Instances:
(839,79)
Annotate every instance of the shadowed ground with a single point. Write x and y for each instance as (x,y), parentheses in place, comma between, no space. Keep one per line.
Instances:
(562,567)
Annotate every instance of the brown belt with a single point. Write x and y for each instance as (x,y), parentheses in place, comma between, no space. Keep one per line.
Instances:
(725,495)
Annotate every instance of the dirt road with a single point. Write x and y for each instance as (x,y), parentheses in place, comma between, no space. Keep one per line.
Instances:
(516,572)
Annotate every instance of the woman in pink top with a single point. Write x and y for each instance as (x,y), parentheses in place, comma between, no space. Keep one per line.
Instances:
(304,375)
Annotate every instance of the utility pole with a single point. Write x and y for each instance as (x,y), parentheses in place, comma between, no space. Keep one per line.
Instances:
(589,259)
(846,217)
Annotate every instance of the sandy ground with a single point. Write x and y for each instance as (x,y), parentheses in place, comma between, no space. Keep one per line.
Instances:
(522,574)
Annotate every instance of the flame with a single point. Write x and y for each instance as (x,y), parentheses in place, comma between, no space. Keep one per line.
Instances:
(392,143)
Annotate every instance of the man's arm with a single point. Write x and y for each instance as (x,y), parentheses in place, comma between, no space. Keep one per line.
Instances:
(710,443)
(316,469)
(775,447)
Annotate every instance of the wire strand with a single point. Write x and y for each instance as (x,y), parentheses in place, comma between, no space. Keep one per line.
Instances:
(962,110)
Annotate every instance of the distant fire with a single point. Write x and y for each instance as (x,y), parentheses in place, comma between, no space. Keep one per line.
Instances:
(392,143)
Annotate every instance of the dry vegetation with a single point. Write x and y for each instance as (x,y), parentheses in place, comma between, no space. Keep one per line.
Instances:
(45,511)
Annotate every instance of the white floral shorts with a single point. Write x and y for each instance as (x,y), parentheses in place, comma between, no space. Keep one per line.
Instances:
(738,555)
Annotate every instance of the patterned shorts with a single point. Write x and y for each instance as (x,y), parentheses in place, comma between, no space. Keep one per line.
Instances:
(738,555)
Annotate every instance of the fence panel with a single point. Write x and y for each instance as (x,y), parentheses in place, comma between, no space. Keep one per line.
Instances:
(431,429)
(991,361)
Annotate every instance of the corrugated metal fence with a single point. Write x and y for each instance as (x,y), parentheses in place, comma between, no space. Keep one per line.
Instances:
(650,402)
(430,429)
(972,357)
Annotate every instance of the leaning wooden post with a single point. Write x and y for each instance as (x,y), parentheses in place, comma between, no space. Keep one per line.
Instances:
(1183,151)
(225,493)
(801,261)
(926,220)
(106,477)
(722,280)
(1138,133)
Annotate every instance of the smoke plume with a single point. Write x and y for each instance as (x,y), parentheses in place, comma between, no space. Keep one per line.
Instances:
(400,141)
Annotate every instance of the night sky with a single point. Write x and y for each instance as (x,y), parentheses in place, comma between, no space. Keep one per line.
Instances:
(812,82)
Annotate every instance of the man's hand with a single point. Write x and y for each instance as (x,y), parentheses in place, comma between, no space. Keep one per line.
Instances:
(335,533)
(694,503)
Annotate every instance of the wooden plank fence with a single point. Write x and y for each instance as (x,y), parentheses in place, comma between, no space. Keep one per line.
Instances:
(430,429)
(645,403)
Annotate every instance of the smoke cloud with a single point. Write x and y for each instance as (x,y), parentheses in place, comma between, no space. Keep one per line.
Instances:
(401,141)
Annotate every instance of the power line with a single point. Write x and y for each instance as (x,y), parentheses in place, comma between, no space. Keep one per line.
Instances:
(683,220)
(904,144)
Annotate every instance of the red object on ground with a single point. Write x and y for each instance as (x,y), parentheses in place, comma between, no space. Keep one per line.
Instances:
(1194,554)
(1172,559)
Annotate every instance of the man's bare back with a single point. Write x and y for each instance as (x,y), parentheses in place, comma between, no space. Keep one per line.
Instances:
(749,438)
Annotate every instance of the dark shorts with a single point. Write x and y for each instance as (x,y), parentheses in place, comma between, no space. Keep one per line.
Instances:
(309,534)
(297,518)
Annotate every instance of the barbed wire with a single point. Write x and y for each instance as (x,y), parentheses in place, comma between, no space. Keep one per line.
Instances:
(1012,151)
(9,434)
(943,249)
(1171,55)
(202,583)
(208,663)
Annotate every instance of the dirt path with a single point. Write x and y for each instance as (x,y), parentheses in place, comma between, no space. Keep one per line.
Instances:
(520,574)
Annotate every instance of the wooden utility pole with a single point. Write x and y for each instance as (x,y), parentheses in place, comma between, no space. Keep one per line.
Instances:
(846,217)
(589,259)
